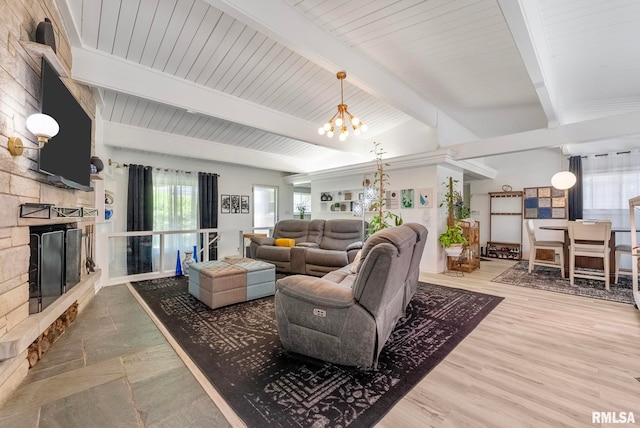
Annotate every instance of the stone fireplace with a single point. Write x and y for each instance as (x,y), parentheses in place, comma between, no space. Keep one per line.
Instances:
(20,184)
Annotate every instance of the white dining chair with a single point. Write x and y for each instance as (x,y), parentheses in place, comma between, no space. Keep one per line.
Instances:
(620,250)
(534,245)
(589,239)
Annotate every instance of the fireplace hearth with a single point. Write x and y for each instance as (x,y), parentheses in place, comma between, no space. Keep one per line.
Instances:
(54,266)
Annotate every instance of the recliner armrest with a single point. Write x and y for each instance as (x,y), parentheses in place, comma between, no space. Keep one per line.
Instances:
(263,241)
(354,246)
(316,290)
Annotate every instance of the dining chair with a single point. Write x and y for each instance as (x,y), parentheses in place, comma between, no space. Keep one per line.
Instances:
(620,250)
(589,239)
(534,245)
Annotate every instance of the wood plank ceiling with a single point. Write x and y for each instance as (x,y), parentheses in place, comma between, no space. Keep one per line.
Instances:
(460,56)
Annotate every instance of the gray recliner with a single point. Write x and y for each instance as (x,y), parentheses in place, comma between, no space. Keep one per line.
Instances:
(346,316)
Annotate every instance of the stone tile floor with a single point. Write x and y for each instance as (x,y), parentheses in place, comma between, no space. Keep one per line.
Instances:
(111,368)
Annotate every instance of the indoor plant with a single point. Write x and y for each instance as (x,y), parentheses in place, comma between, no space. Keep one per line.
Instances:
(302,208)
(453,239)
(382,218)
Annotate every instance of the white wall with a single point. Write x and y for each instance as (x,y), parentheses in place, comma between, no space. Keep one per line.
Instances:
(518,170)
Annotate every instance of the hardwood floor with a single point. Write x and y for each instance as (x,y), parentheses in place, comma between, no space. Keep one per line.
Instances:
(539,359)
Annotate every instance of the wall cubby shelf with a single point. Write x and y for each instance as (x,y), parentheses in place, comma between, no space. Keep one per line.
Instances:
(46,211)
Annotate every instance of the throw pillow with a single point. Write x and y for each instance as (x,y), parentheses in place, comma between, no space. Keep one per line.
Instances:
(356,262)
(285,242)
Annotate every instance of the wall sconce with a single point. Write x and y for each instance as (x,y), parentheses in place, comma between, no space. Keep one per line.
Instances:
(118,166)
(40,125)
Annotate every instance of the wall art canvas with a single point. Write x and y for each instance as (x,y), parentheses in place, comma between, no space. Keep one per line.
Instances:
(545,203)
(425,198)
(392,201)
(225,204)
(407,198)
(244,204)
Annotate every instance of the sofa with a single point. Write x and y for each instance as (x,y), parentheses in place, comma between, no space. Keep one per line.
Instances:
(310,247)
(346,316)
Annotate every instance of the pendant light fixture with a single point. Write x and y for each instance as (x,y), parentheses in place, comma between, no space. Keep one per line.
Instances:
(564,179)
(341,117)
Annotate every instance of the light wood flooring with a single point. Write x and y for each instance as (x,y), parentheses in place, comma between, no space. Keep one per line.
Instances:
(540,359)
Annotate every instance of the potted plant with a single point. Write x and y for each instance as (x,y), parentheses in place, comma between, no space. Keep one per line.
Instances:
(382,218)
(453,240)
(302,208)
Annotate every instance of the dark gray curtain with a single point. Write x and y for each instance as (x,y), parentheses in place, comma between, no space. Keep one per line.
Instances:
(139,217)
(208,207)
(575,193)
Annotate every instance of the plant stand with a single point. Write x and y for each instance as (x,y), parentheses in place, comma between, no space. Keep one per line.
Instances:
(455,265)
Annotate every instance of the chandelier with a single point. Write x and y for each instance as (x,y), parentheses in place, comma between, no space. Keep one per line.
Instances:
(339,119)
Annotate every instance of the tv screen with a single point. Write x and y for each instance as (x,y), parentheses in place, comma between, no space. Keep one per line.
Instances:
(68,154)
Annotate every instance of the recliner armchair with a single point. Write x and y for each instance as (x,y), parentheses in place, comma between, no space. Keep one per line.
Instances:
(347,316)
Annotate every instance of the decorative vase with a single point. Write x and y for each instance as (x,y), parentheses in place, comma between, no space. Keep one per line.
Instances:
(178,265)
(323,197)
(188,259)
(97,162)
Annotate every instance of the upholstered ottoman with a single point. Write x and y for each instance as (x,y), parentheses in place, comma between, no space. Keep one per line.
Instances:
(261,277)
(216,283)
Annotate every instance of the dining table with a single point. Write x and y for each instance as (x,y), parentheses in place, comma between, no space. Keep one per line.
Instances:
(589,262)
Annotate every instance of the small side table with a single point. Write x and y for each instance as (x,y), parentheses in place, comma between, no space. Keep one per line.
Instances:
(246,236)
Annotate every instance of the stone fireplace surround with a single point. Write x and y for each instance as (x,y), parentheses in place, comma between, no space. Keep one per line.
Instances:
(20,183)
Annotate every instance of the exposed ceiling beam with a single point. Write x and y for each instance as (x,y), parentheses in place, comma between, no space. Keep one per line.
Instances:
(582,132)
(312,42)
(102,70)
(524,21)
(134,138)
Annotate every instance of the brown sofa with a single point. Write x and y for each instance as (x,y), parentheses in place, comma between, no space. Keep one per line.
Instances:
(321,246)
(347,316)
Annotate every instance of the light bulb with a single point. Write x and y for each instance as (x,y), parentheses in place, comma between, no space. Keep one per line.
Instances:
(364,127)
(327,126)
(356,131)
(339,121)
(330,134)
(342,136)
(321,131)
(355,121)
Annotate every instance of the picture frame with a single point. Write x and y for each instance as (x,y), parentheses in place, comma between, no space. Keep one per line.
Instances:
(235,204)
(407,198)
(425,197)
(225,204)
(244,204)
(545,203)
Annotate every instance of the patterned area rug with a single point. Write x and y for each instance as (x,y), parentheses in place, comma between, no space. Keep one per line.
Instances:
(547,278)
(238,349)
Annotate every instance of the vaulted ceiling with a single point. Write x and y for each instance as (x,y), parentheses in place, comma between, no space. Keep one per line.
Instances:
(250,81)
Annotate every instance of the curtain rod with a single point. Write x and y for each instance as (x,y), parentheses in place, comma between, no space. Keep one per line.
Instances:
(126,165)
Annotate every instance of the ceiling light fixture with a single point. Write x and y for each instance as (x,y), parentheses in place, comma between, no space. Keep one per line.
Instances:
(339,120)
(42,126)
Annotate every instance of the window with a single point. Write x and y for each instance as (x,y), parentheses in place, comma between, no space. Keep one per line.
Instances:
(175,207)
(301,202)
(609,181)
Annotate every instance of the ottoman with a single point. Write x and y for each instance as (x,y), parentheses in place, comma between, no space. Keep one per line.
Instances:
(261,277)
(216,283)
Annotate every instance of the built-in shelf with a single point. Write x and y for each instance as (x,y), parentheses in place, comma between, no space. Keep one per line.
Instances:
(39,50)
(45,211)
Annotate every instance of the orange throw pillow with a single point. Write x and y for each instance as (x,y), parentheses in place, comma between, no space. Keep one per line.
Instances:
(285,242)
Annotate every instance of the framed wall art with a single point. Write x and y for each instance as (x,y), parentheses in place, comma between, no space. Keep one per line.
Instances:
(235,204)
(225,204)
(407,198)
(545,203)
(244,204)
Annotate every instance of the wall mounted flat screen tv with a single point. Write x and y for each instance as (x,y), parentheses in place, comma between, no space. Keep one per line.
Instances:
(67,156)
